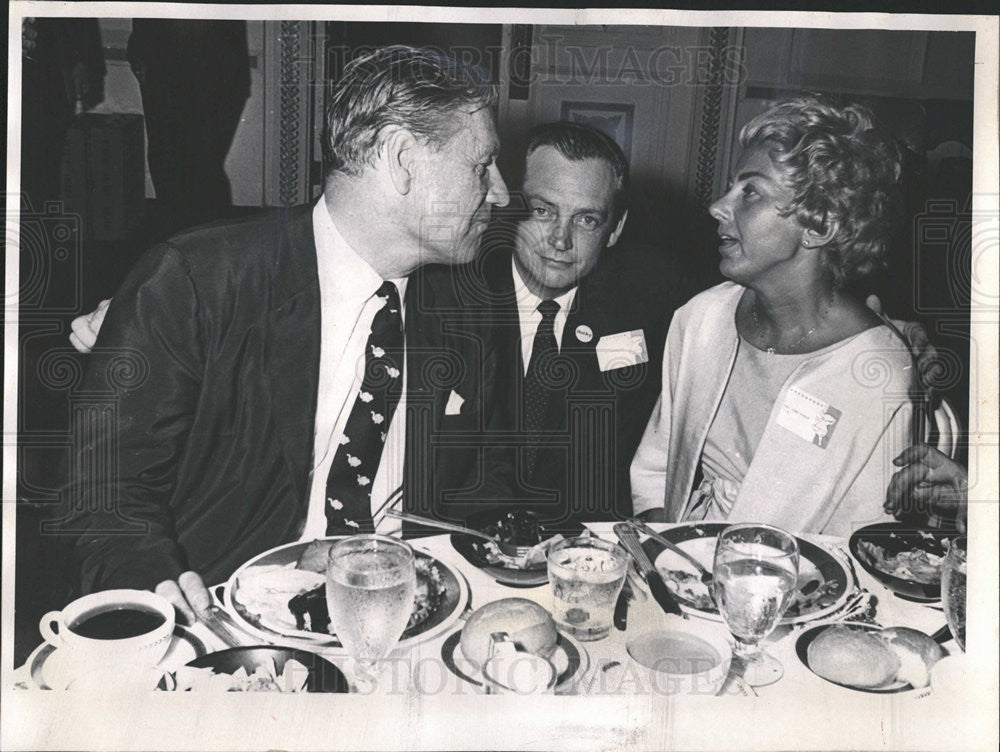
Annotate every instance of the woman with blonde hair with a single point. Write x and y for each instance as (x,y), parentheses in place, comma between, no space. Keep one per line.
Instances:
(781,389)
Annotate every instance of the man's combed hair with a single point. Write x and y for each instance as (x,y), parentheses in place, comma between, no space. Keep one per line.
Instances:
(408,87)
(578,142)
(843,169)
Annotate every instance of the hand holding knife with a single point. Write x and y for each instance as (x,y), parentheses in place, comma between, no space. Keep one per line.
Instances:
(630,540)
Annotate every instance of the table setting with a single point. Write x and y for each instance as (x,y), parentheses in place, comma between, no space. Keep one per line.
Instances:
(696,609)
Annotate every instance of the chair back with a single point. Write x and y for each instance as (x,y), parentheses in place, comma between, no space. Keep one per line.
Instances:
(942,429)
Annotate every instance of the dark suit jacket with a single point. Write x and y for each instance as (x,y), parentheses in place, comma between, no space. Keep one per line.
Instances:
(193,447)
(596,418)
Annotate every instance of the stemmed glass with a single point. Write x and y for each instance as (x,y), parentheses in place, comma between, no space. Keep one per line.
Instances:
(953,579)
(370,583)
(755,571)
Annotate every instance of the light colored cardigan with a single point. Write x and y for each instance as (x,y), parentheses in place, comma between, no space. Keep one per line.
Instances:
(791,483)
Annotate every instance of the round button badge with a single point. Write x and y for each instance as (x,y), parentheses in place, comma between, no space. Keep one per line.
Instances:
(584,333)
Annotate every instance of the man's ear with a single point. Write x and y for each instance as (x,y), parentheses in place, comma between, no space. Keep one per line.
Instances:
(613,238)
(820,238)
(399,150)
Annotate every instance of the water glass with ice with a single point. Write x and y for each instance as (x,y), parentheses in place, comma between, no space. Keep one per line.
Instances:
(586,575)
(370,583)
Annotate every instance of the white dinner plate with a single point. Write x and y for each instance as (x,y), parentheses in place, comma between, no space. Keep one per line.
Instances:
(699,539)
(456,595)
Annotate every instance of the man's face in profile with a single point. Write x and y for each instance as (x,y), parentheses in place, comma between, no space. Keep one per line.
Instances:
(459,184)
(570,220)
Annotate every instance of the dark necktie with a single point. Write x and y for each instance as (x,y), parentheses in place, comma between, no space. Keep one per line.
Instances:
(537,382)
(355,465)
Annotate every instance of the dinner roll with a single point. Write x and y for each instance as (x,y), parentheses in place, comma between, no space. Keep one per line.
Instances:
(529,625)
(852,657)
(916,651)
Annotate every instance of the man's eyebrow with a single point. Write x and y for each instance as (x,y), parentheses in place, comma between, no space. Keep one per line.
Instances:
(599,212)
(534,196)
(537,196)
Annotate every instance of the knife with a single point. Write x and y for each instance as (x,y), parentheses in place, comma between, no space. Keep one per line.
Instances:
(621,606)
(628,537)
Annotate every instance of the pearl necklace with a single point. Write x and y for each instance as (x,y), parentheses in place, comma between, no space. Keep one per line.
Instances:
(804,337)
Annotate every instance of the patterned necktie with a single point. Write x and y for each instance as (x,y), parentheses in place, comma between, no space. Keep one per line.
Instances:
(355,465)
(537,388)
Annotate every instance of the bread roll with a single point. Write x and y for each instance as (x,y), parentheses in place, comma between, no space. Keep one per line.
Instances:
(852,657)
(916,651)
(529,625)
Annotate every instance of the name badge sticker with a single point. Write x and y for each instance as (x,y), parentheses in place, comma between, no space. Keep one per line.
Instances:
(808,418)
(622,350)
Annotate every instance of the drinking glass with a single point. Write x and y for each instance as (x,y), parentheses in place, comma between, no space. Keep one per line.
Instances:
(370,583)
(586,575)
(953,574)
(754,575)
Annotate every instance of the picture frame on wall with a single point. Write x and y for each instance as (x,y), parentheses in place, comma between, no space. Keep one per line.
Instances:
(614,119)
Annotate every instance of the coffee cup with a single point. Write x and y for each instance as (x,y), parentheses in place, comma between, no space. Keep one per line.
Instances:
(109,628)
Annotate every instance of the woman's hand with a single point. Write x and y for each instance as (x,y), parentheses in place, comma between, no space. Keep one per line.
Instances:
(928,479)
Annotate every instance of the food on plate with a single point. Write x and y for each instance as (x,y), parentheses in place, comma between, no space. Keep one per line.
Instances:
(689,588)
(822,595)
(265,678)
(914,564)
(311,614)
(529,625)
(264,591)
(287,597)
(853,657)
(315,556)
(917,653)
(871,659)
(520,528)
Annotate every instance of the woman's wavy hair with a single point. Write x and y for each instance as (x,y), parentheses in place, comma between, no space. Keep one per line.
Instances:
(843,168)
(419,89)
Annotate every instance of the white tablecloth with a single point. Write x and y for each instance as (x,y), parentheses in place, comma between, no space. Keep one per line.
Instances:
(424,706)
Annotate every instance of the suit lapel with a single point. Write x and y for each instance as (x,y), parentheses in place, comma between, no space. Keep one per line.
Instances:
(293,341)
(583,318)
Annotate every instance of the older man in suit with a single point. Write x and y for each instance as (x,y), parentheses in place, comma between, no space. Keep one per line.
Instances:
(270,351)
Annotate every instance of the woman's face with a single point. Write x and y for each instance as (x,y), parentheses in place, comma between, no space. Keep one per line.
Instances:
(757,242)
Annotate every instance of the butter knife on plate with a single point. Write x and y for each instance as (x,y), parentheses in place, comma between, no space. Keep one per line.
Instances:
(657,587)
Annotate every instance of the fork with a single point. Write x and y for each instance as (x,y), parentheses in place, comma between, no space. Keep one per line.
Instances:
(214,619)
(642,527)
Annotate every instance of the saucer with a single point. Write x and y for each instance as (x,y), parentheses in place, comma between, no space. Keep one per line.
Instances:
(50,669)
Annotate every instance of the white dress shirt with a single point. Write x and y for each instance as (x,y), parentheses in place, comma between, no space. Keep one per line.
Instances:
(530,318)
(347,285)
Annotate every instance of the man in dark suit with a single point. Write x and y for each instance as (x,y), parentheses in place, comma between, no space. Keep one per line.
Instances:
(578,328)
(239,364)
